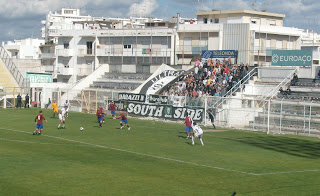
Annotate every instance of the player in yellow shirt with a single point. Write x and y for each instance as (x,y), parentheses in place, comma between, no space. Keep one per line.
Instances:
(54,106)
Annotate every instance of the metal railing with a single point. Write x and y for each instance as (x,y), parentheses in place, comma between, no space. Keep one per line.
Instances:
(275,90)
(11,66)
(239,85)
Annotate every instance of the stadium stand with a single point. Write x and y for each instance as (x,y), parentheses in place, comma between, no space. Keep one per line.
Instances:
(119,81)
(6,80)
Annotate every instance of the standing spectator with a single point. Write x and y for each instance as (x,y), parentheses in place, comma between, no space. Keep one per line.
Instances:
(171,98)
(211,117)
(26,101)
(196,70)
(47,105)
(19,100)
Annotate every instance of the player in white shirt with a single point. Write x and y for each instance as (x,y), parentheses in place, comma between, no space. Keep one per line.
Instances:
(197,132)
(67,104)
(62,117)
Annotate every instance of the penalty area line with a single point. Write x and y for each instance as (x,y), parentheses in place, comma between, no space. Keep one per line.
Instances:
(165,158)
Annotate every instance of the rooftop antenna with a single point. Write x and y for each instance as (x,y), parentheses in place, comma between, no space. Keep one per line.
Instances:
(254,5)
(265,6)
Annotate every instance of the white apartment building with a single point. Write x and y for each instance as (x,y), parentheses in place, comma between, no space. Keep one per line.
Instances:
(76,45)
(24,49)
(252,33)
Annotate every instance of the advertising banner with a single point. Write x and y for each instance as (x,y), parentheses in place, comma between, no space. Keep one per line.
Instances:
(291,57)
(159,79)
(39,77)
(157,99)
(132,97)
(218,54)
(164,111)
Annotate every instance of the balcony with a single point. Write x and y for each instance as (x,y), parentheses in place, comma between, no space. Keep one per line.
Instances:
(187,49)
(65,52)
(48,68)
(85,52)
(47,56)
(64,71)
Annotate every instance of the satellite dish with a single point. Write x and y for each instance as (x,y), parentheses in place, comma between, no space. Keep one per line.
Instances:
(43,22)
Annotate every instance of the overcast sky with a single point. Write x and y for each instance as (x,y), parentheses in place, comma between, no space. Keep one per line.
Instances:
(21,19)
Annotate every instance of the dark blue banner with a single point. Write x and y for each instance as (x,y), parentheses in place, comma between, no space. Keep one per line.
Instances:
(209,54)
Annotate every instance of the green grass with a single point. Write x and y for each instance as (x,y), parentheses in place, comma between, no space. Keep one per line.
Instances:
(153,158)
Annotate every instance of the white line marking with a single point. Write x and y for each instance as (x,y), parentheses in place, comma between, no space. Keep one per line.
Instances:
(29,142)
(164,158)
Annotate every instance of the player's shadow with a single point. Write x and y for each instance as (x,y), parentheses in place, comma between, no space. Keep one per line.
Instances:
(291,146)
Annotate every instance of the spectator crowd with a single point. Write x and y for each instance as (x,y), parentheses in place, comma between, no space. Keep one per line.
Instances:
(209,77)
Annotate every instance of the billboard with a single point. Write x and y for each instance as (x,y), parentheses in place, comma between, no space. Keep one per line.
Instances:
(164,111)
(218,54)
(291,57)
(39,77)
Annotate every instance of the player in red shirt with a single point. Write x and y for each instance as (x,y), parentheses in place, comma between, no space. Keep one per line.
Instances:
(123,119)
(112,109)
(99,115)
(39,120)
(101,110)
(188,123)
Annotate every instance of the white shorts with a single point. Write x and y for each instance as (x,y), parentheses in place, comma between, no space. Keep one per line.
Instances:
(67,110)
(199,135)
(61,117)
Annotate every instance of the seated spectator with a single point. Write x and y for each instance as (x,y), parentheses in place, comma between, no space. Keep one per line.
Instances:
(288,91)
(317,77)
(294,80)
(282,92)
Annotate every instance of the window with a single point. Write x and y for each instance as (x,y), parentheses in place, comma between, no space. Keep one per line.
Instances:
(68,11)
(272,22)
(65,63)
(205,20)
(162,24)
(66,45)
(89,47)
(127,46)
(216,20)
(254,20)
(89,62)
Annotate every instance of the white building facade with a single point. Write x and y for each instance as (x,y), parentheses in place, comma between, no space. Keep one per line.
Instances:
(76,45)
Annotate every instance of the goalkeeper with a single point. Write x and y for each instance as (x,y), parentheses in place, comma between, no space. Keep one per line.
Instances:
(197,132)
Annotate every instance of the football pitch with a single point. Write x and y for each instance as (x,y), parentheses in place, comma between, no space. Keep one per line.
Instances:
(153,158)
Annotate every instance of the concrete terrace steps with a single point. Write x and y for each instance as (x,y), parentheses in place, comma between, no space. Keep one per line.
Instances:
(108,80)
(119,81)
(115,85)
(128,76)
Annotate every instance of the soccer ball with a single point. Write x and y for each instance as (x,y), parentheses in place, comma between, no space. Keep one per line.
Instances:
(81,128)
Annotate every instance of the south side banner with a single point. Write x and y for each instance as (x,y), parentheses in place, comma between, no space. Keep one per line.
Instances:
(210,54)
(164,111)
(291,57)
